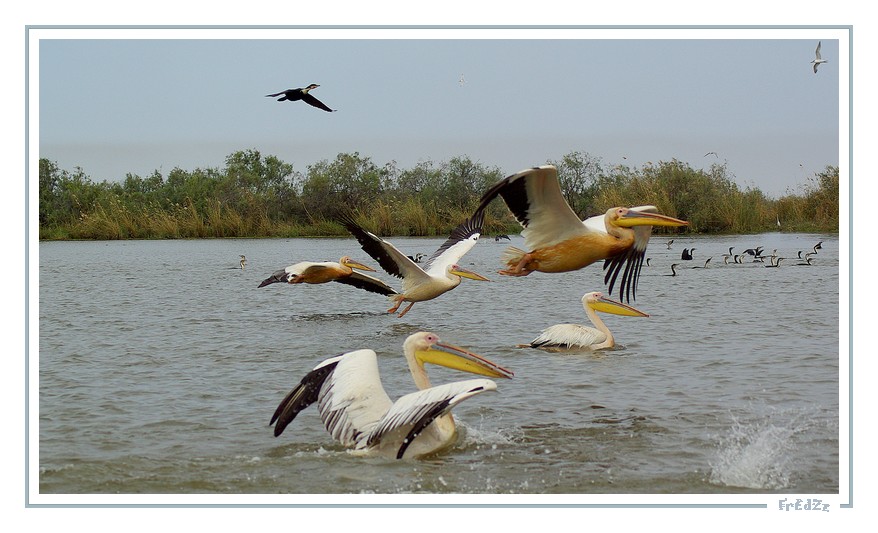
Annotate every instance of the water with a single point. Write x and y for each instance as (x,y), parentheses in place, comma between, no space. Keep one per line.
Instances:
(160,364)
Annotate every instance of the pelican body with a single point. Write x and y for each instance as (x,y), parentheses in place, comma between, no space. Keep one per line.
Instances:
(562,337)
(303,94)
(341,272)
(357,412)
(440,273)
(560,242)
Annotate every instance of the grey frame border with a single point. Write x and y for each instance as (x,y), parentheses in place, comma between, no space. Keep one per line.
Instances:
(28,28)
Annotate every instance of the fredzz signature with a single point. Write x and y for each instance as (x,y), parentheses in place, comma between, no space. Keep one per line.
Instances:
(811,504)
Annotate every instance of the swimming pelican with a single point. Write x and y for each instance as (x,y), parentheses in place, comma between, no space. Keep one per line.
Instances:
(574,336)
(440,274)
(342,272)
(303,94)
(357,412)
(560,242)
(817,59)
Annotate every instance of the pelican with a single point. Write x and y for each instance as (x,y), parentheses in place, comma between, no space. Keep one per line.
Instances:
(807,262)
(342,272)
(440,274)
(573,336)
(560,242)
(729,255)
(498,238)
(357,412)
(817,59)
(303,94)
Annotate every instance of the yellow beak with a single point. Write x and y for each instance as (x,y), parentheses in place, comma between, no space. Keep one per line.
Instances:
(638,218)
(605,305)
(464,273)
(459,359)
(359,266)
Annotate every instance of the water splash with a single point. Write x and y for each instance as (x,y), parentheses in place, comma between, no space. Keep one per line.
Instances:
(759,454)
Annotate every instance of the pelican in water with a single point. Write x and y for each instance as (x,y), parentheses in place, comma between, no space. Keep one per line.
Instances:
(817,59)
(303,94)
(575,337)
(560,242)
(440,274)
(357,412)
(342,272)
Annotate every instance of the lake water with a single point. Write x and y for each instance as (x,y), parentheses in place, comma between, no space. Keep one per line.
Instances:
(160,364)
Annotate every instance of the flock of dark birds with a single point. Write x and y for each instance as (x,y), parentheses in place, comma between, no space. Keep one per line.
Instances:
(750,255)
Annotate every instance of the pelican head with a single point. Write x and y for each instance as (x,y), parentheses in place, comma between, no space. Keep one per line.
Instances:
(350,263)
(425,347)
(458,270)
(599,302)
(629,218)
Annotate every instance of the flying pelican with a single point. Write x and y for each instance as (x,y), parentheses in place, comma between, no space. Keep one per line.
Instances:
(817,60)
(293,95)
(357,412)
(440,274)
(687,254)
(574,336)
(560,242)
(711,153)
(498,238)
(342,272)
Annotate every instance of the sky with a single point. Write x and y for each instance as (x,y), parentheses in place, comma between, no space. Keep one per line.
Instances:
(507,99)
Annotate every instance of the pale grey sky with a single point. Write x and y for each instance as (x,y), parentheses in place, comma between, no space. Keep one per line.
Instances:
(114,106)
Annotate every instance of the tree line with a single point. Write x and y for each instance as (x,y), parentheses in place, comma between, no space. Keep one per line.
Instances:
(262,196)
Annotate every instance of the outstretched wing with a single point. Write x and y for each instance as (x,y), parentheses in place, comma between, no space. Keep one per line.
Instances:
(302,395)
(389,258)
(629,262)
(414,412)
(535,200)
(315,102)
(366,282)
(461,241)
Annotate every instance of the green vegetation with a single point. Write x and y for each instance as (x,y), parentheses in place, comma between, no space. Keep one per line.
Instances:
(261,196)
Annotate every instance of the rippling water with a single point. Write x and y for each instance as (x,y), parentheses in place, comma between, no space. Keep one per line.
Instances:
(160,364)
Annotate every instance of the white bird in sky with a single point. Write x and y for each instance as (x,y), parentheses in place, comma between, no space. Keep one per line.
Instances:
(357,412)
(818,60)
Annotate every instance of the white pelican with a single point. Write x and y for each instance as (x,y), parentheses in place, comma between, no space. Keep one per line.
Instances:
(303,94)
(342,272)
(817,59)
(357,412)
(440,274)
(573,336)
(560,242)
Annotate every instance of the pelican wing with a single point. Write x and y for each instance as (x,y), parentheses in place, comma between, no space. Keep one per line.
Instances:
(461,241)
(349,394)
(568,336)
(414,412)
(534,198)
(366,282)
(630,261)
(352,398)
(389,258)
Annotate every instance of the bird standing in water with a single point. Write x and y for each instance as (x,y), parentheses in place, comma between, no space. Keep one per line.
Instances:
(301,94)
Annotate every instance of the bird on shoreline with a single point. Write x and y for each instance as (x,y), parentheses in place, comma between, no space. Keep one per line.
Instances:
(302,94)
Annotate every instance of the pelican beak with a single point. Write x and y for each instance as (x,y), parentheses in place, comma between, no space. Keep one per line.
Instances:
(460,359)
(278,277)
(605,305)
(358,266)
(464,273)
(638,218)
